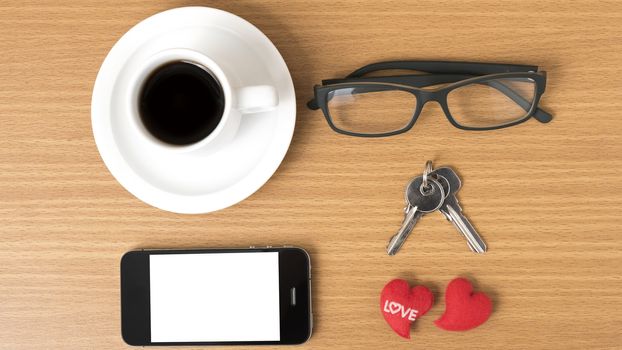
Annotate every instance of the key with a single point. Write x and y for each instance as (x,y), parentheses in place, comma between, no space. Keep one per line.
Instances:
(452,210)
(451,184)
(419,201)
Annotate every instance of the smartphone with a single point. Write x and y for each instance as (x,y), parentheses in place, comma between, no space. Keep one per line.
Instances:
(248,296)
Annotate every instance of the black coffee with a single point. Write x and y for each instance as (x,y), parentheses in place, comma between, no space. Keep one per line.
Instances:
(181,103)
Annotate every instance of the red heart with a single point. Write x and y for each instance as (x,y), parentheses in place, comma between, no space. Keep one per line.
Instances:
(400,305)
(463,308)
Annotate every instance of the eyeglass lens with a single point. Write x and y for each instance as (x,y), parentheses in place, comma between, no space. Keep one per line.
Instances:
(369,110)
(492,102)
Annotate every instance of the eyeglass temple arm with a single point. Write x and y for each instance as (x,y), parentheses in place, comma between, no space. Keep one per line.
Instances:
(312,104)
(444,67)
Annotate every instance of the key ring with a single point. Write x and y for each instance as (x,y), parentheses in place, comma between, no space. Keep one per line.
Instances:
(426,172)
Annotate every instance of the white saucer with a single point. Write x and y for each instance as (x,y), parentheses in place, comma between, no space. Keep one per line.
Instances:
(191,182)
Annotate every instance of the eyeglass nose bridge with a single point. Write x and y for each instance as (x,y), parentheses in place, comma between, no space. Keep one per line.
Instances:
(425,96)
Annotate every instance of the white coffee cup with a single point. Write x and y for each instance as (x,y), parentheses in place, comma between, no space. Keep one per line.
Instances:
(238,101)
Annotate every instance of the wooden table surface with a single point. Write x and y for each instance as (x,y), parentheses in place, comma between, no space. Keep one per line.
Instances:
(546,197)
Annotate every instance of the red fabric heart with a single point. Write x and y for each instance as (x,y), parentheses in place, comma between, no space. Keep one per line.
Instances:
(464,309)
(400,305)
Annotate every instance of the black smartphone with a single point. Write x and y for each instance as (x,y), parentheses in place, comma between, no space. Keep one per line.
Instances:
(248,296)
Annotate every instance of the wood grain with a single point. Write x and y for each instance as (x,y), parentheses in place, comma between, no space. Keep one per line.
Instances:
(547,198)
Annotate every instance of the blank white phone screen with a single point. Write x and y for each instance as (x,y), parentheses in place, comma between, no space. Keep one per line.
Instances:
(214,297)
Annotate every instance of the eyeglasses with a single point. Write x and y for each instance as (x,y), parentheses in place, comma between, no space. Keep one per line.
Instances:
(473,96)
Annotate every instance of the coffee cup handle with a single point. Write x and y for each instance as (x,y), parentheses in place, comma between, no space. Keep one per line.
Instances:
(256,99)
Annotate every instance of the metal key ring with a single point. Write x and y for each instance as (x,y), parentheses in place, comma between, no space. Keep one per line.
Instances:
(426,172)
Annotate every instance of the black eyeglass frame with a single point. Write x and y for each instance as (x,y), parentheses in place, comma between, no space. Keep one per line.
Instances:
(456,74)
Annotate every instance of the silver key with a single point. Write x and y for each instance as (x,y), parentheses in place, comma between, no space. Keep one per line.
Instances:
(451,183)
(419,201)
